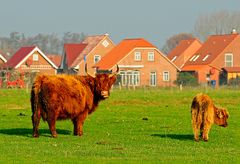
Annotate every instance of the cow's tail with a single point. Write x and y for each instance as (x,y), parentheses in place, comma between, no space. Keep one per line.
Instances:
(35,101)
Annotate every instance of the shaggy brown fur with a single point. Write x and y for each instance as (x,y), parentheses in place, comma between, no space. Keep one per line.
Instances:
(204,114)
(55,97)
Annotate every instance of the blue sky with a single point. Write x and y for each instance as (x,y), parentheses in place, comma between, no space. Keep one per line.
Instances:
(154,20)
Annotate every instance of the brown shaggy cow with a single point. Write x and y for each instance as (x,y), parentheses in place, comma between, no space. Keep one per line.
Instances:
(56,97)
(204,114)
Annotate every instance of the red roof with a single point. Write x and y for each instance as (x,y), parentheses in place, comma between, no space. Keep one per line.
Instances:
(19,56)
(72,51)
(210,49)
(92,42)
(120,51)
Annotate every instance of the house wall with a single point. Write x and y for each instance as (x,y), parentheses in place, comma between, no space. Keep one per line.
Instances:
(98,50)
(1,62)
(159,65)
(233,48)
(41,66)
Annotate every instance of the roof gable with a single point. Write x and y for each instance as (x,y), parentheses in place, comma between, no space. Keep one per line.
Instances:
(23,54)
(92,42)
(120,51)
(210,49)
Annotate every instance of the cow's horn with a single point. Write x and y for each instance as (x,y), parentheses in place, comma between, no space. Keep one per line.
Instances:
(87,72)
(115,72)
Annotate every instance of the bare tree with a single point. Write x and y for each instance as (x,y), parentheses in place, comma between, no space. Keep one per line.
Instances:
(222,22)
(174,40)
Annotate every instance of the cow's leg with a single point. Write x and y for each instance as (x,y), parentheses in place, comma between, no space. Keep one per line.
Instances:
(36,116)
(195,125)
(206,130)
(52,124)
(78,123)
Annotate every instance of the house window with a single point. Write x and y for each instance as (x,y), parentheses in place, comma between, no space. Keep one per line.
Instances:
(150,56)
(105,43)
(130,78)
(97,58)
(165,76)
(228,60)
(205,58)
(196,58)
(175,57)
(192,58)
(153,78)
(35,57)
(137,56)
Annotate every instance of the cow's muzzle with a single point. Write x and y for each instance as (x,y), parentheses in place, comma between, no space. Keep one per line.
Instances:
(105,94)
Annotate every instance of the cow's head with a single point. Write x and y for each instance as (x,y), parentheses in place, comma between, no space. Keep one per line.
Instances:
(103,83)
(221,117)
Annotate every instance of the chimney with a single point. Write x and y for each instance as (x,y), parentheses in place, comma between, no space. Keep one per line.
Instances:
(234,31)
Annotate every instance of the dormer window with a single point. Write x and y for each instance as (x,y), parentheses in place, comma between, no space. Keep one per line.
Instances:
(196,58)
(175,57)
(205,58)
(192,58)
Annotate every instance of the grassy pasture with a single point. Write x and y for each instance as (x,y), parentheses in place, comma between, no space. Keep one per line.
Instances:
(146,126)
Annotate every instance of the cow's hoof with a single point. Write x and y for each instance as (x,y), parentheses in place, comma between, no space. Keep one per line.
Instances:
(35,135)
(197,140)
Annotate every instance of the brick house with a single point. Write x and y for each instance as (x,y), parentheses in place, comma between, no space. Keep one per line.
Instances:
(183,51)
(31,59)
(90,51)
(218,53)
(140,64)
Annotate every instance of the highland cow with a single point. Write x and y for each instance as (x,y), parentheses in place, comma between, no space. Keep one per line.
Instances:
(204,114)
(57,97)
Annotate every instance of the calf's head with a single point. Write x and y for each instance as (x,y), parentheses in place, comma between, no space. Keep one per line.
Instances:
(221,117)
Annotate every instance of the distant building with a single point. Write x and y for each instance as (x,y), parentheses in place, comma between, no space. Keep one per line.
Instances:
(217,60)
(31,59)
(140,63)
(90,51)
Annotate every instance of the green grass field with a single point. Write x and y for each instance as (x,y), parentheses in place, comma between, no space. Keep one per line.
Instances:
(141,126)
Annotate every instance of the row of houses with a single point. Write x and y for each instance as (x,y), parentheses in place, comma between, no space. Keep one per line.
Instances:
(140,62)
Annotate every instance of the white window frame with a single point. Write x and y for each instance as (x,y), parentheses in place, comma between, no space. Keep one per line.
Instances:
(137,56)
(175,57)
(196,58)
(205,58)
(96,56)
(130,78)
(228,62)
(35,57)
(153,78)
(192,58)
(166,76)
(150,56)
(105,43)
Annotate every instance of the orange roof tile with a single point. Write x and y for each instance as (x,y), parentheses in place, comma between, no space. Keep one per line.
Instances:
(193,67)
(232,69)
(181,47)
(120,51)
(210,49)
(55,58)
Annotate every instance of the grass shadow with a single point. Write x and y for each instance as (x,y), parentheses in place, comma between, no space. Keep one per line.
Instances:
(175,136)
(28,132)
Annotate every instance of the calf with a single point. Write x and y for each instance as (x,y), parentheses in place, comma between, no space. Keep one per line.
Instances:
(204,114)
